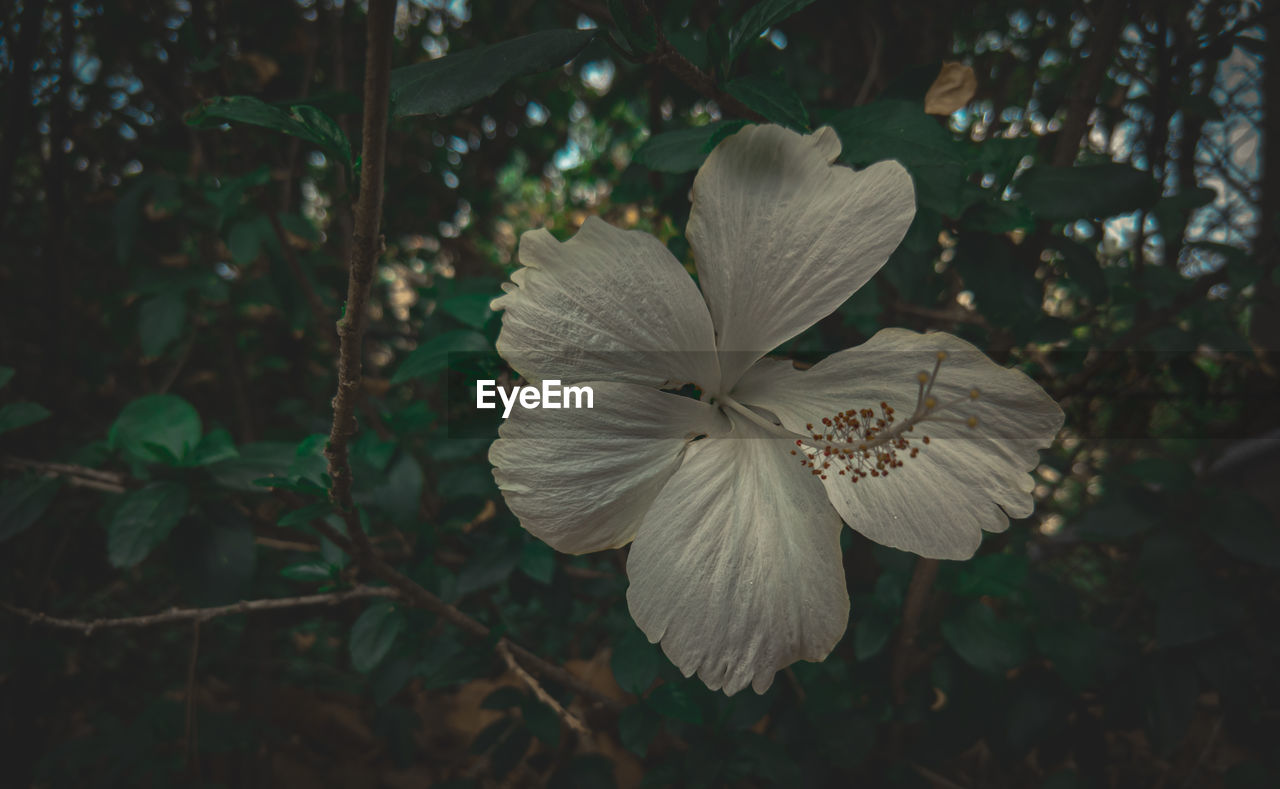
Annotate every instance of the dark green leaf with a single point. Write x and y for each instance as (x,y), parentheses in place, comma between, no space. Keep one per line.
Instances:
(1245,528)
(22,501)
(685,150)
(441,87)
(310,572)
(143,520)
(900,130)
(163,420)
(245,242)
(636,662)
(432,356)
(872,632)
(759,18)
(538,561)
(1099,190)
(215,447)
(1082,268)
(374,633)
(637,726)
(986,642)
(160,322)
(641,34)
(675,701)
(324,131)
(303,121)
(6,375)
(470,309)
(256,461)
(772,98)
(21,414)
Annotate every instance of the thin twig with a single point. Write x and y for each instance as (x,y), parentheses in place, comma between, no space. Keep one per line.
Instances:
(1112,353)
(366,248)
(546,698)
(83,476)
(669,57)
(87,627)
(904,654)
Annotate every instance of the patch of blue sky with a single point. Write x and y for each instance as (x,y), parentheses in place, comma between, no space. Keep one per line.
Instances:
(536,114)
(598,75)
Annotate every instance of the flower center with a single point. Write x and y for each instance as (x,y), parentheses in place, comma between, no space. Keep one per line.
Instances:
(866,442)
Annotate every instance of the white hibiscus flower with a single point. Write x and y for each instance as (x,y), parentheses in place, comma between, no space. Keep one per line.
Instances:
(733,502)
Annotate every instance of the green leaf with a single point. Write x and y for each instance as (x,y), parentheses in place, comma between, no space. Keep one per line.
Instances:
(255,461)
(324,131)
(1099,190)
(245,242)
(986,642)
(538,561)
(6,375)
(470,309)
(21,414)
(160,322)
(637,726)
(215,447)
(674,700)
(636,662)
(757,19)
(374,633)
(685,150)
(163,420)
(310,572)
(443,86)
(432,356)
(143,520)
(641,37)
(939,164)
(1082,268)
(303,121)
(872,632)
(1244,527)
(772,98)
(22,501)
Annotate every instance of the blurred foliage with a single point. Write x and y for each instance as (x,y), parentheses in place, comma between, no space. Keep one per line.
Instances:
(175,189)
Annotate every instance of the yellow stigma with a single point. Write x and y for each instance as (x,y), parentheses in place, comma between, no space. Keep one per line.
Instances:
(942,356)
(973,394)
(922,377)
(930,403)
(972,421)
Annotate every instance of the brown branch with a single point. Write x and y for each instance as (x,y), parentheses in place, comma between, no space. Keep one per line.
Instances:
(904,653)
(542,695)
(367,246)
(82,476)
(1084,94)
(87,626)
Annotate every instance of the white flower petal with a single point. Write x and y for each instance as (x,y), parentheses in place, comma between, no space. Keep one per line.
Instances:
(782,237)
(965,480)
(737,568)
(582,480)
(606,305)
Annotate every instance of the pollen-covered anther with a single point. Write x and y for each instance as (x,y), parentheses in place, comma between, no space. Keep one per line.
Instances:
(860,443)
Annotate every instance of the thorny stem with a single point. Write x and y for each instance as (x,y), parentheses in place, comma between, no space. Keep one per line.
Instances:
(366,248)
